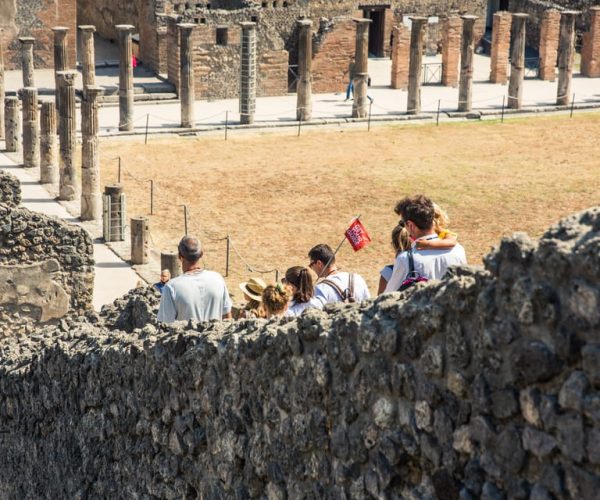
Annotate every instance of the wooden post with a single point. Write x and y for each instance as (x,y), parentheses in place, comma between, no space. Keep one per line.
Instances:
(517,70)
(417,37)
(566,54)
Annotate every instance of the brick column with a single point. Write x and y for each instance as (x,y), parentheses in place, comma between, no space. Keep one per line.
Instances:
(88,57)
(12,124)
(566,54)
(48,145)
(417,36)
(68,183)
(360,105)
(31,128)
(590,52)
(549,44)
(91,197)
(400,57)
(27,60)
(500,47)
(465,92)
(186,75)
(248,73)
(60,56)
(2,87)
(304,88)
(125,77)
(451,39)
(517,57)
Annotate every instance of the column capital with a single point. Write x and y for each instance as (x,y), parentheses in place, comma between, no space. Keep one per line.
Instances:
(570,13)
(362,20)
(305,23)
(248,25)
(124,28)
(595,8)
(520,15)
(87,28)
(93,92)
(60,30)
(67,77)
(469,17)
(187,28)
(27,40)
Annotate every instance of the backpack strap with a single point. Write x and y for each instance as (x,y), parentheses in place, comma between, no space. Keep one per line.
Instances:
(337,289)
(411,263)
(351,286)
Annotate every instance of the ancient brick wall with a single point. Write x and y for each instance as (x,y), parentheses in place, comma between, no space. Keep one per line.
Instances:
(590,52)
(36,18)
(500,47)
(549,34)
(451,48)
(483,385)
(400,57)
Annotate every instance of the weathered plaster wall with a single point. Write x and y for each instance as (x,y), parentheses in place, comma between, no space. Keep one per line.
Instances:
(36,18)
(105,14)
(484,385)
(46,269)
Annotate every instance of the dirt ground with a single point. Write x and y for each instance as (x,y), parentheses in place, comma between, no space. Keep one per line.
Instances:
(277,195)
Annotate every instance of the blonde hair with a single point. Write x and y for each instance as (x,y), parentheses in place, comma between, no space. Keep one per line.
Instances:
(400,238)
(440,218)
(275,299)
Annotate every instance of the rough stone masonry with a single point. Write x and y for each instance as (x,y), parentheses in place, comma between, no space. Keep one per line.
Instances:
(483,385)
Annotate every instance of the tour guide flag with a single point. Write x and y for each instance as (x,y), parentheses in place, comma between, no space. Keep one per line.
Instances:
(357,235)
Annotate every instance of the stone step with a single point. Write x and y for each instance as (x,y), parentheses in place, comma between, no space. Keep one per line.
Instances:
(165,96)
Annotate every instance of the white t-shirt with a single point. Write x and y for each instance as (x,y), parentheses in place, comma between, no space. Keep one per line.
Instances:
(200,295)
(432,264)
(296,308)
(328,295)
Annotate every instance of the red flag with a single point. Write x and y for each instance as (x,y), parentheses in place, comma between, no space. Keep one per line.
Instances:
(357,235)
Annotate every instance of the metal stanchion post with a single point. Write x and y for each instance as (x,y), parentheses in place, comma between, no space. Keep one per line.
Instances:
(119,172)
(227,256)
(503,101)
(369,119)
(185,219)
(226,123)
(299,125)
(572,105)
(437,121)
(151,197)
(147,121)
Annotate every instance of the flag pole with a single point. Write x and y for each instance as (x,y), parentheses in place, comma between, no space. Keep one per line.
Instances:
(336,250)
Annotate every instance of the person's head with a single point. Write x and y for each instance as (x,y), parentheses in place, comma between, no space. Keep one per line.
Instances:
(417,213)
(321,256)
(165,275)
(190,251)
(440,218)
(253,289)
(400,238)
(301,282)
(275,299)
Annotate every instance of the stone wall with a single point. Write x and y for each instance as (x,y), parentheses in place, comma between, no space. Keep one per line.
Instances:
(105,14)
(36,18)
(46,268)
(483,385)
(10,189)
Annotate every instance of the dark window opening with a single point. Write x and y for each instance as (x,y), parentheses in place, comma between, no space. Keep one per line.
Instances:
(202,20)
(222,36)
(285,4)
(254,19)
(274,5)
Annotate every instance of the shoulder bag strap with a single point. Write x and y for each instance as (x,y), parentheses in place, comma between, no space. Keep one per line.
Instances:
(333,285)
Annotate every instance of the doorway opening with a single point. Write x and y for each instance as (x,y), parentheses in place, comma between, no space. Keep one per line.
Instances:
(377,36)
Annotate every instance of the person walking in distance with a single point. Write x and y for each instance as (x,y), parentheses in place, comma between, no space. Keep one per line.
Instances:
(197,294)
(335,285)
(165,276)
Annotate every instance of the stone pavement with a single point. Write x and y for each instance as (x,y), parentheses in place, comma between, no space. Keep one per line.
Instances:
(113,276)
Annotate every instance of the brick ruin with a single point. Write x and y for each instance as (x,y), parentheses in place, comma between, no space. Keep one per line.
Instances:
(483,385)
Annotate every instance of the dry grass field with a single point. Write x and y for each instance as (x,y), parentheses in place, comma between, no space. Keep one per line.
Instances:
(277,194)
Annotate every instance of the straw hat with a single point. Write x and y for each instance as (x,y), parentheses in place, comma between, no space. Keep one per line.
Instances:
(254,288)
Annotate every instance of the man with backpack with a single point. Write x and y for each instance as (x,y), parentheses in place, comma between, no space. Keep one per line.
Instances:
(334,285)
(417,213)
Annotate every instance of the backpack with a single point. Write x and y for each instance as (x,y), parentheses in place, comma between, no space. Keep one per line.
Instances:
(413,276)
(346,295)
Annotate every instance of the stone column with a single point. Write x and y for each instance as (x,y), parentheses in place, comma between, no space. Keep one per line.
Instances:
(125,77)
(549,33)
(500,47)
(60,56)
(590,52)
(88,58)
(187,89)
(31,128)
(2,88)
(27,60)
(170,261)
(140,233)
(413,106)
(48,145)
(160,64)
(12,124)
(248,73)
(68,188)
(116,214)
(566,55)
(360,105)
(91,197)
(451,50)
(465,91)
(400,57)
(304,88)
(517,69)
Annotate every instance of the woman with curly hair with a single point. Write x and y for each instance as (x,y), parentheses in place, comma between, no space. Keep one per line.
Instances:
(275,300)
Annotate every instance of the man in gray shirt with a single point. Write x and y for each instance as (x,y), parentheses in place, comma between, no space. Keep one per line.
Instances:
(197,294)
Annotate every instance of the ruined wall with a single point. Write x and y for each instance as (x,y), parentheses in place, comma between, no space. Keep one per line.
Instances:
(483,385)
(46,268)
(105,14)
(10,189)
(36,18)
